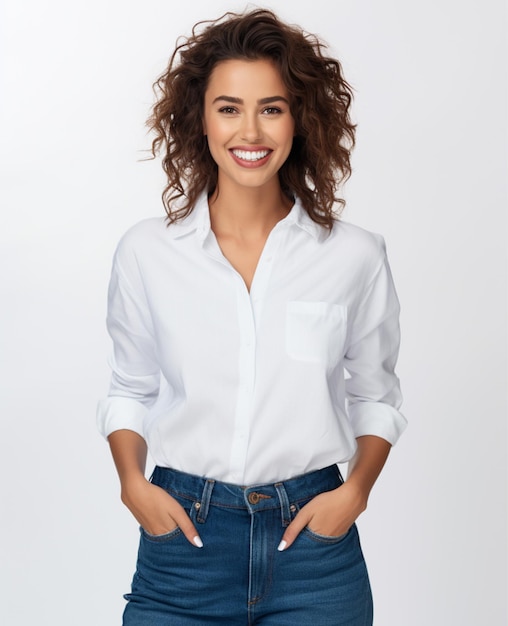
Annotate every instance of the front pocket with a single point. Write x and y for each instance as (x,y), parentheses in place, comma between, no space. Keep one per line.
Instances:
(316,331)
(172,534)
(328,539)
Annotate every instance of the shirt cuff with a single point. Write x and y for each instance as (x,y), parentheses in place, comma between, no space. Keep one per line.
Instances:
(119,413)
(376,418)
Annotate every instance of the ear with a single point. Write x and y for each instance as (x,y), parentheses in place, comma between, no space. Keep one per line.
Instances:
(203,124)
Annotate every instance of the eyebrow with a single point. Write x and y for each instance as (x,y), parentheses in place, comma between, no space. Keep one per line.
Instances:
(268,100)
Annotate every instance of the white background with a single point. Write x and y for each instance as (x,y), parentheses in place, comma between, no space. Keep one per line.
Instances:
(430,170)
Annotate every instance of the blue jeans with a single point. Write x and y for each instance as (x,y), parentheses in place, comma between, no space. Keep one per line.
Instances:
(239,577)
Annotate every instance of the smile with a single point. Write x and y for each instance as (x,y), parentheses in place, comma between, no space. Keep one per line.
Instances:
(251,155)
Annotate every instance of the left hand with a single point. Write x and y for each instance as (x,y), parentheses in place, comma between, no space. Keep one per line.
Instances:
(331,513)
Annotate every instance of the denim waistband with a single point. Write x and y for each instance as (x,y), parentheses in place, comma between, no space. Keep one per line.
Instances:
(206,492)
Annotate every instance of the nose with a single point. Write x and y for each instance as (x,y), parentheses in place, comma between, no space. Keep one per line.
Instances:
(250,130)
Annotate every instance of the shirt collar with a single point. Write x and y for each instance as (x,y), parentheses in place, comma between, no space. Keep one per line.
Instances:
(198,221)
(299,217)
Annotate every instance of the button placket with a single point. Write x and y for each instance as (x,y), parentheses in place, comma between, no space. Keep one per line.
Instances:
(249,308)
(246,374)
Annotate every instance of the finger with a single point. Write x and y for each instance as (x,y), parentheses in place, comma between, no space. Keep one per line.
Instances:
(187,527)
(293,530)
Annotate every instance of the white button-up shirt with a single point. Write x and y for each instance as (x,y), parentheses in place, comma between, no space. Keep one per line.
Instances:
(253,387)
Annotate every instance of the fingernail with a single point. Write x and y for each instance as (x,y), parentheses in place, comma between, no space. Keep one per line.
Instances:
(198,542)
(282,545)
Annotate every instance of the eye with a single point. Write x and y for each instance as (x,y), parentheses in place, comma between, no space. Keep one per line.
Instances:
(227,110)
(272,111)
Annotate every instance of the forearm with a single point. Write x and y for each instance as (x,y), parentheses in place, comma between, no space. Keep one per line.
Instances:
(129,453)
(367,463)
(155,510)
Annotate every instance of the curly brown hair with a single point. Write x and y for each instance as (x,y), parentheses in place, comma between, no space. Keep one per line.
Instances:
(320,101)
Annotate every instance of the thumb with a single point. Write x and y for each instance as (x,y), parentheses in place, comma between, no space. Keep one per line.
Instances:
(293,530)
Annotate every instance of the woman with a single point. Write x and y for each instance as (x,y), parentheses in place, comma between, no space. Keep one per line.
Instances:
(233,321)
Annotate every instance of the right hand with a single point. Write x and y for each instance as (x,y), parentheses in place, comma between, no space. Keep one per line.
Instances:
(156,511)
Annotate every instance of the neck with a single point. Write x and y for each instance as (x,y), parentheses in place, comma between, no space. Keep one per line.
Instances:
(247,211)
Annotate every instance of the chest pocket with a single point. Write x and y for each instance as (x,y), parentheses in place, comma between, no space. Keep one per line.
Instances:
(316,331)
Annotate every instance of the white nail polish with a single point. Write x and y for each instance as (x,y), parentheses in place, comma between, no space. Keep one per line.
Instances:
(198,542)
(282,545)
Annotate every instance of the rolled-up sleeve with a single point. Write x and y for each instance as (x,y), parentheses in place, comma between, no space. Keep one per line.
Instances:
(135,375)
(372,389)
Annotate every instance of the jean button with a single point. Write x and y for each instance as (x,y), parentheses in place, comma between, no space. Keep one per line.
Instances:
(253,497)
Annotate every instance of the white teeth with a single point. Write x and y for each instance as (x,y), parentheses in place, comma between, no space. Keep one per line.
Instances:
(250,155)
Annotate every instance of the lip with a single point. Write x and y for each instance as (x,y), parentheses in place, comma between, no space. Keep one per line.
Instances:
(250,164)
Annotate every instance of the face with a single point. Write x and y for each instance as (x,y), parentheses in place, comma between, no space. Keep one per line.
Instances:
(248,122)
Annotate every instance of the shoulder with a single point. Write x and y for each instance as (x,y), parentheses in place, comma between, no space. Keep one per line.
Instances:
(354,251)
(139,242)
(348,233)
(154,231)
(143,233)
(143,236)
(357,243)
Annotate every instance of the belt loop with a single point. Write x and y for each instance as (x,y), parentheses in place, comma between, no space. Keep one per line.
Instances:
(205,501)
(284,504)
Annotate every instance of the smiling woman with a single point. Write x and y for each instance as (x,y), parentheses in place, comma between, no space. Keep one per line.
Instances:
(319,99)
(249,139)
(248,136)
(250,302)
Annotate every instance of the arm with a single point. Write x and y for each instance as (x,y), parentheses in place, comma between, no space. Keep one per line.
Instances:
(332,513)
(367,463)
(155,510)
(373,395)
(133,390)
